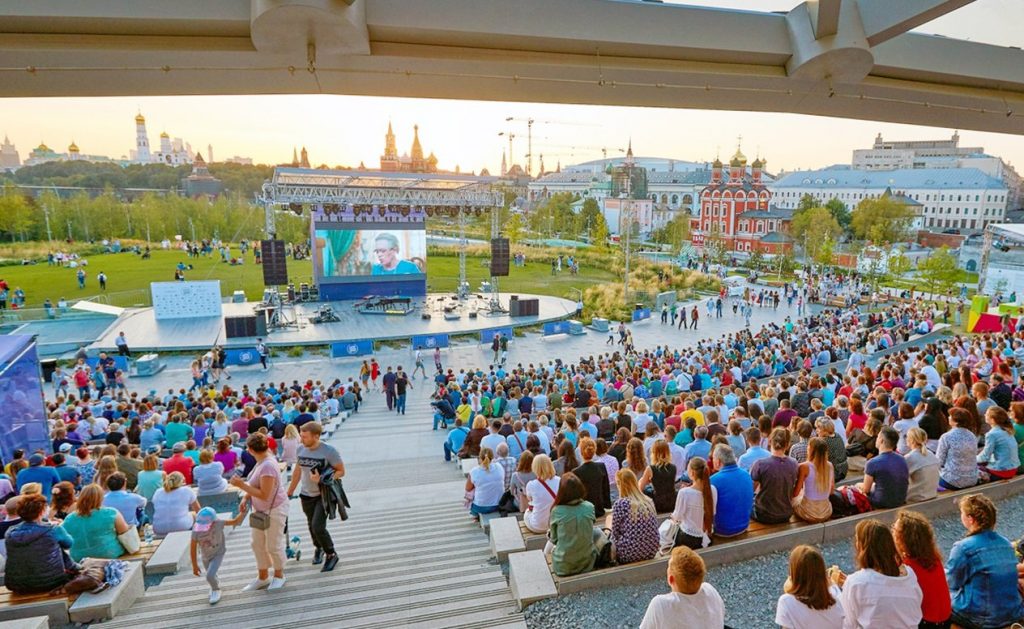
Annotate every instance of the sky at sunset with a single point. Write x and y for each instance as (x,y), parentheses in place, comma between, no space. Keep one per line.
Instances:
(346,130)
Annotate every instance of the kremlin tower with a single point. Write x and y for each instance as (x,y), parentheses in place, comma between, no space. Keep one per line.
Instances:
(141,140)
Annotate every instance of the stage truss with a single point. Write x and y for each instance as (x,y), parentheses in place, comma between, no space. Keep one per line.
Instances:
(367,195)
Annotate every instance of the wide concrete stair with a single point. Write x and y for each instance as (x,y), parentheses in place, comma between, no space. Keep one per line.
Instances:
(410,554)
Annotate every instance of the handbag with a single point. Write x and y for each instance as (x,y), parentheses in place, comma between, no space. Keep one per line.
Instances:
(260,520)
(667,533)
(130,540)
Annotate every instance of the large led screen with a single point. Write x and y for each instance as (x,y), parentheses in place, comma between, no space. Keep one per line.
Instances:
(370,253)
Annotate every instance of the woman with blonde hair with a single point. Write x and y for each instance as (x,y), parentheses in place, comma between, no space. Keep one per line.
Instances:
(174,505)
(221,426)
(471,446)
(487,482)
(94,528)
(290,445)
(661,475)
(808,599)
(104,470)
(634,521)
(540,495)
(923,467)
(695,507)
(814,482)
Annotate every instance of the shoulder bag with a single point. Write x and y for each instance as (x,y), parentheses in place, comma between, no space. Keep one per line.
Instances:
(260,520)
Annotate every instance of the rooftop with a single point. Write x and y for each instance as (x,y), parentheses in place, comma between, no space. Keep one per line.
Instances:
(843,176)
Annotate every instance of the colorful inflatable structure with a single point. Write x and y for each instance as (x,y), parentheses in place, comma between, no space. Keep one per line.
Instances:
(981,318)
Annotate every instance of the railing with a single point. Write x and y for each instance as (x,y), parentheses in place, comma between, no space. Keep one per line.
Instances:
(135,298)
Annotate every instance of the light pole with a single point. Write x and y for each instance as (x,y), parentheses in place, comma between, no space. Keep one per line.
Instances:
(192,226)
(46,214)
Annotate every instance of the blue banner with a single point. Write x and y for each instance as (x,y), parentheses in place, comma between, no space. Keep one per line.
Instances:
(430,341)
(243,356)
(556,327)
(121,362)
(640,315)
(341,349)
(486,336)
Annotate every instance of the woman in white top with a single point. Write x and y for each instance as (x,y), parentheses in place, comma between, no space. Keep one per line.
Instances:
(540,495)
(487,482)
(809,601)
(221,426)
(174,505)
(923,467)
(695,507)
(883,592)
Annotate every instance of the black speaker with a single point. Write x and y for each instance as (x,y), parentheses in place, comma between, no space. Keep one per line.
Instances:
(275,263)
(524,307)
(243,326)
(499,257)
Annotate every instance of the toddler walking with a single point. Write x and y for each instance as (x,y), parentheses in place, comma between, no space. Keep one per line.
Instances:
(208,537)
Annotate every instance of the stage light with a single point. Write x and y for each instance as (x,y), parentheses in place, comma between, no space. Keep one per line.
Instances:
(296,208)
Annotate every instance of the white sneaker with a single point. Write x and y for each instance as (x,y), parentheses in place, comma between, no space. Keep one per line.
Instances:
(214,596)
(257,584)
(276,583)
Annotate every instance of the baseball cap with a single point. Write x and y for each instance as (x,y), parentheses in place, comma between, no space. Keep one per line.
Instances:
(65,447)
(178,447)
(36,460)
(205,519)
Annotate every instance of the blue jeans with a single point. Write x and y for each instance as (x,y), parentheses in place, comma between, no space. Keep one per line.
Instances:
(400,403)
(448,452)
(439,418)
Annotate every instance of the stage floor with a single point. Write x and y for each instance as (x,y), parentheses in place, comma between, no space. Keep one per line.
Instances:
(145,333)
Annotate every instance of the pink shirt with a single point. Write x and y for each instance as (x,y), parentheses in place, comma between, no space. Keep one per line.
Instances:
(268,467)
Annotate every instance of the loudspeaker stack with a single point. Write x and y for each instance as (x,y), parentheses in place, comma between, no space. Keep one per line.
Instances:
(275,263)
(499,257)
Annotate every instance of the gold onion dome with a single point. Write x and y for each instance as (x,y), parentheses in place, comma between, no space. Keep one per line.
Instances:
(140,119)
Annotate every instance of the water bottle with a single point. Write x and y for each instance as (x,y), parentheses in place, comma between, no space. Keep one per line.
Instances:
(147,533)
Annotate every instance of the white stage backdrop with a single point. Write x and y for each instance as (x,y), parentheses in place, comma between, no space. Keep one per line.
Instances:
(186,300)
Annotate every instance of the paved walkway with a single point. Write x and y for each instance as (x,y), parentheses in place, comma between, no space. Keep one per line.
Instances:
(410,554)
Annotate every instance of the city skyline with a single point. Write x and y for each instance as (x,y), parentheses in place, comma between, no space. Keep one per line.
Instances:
(461,133)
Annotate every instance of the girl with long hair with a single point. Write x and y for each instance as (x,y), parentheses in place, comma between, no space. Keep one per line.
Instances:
(695,507)
(808,599)
(661,475)
(814,484)
(915,542)
(634,521)
(636,461)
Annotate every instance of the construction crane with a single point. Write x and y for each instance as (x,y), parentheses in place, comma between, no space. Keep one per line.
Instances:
(529,135)
(604,149)
(511,136)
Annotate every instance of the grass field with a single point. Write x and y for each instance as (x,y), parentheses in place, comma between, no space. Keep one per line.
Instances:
(128,277)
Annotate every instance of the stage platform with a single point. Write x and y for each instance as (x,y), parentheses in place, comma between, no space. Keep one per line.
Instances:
(145,333)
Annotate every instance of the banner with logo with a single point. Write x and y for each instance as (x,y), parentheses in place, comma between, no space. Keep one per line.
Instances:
(556,327)
(640,315)
(430,341)
(241,356)
(341,349)
(486,336)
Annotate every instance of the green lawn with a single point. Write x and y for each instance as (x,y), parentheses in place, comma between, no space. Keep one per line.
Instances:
(127,272)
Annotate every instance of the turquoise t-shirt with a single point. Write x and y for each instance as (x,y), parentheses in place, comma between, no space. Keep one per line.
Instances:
(94,535)
(148,483)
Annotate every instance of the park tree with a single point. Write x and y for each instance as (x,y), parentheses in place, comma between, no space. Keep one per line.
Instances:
(555,216)
(939,271)
(882,221)
(897,263)
(16,214)
(714,244)
(588,218)
(807,201)
(840,212)
(599,234)
(514,228)
(818,231)
(675,233)
(756,259)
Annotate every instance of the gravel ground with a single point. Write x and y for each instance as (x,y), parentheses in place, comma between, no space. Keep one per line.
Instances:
(749,588)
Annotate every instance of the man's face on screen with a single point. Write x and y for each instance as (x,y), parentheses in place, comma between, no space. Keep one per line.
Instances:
(386,255)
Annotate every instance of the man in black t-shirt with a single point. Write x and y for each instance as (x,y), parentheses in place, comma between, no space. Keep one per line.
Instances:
(401,384)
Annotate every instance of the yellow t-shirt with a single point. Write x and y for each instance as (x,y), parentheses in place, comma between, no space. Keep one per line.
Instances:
(695,414)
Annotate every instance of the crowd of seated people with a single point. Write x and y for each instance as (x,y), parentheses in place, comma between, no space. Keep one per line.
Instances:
(711,440)
(134,461)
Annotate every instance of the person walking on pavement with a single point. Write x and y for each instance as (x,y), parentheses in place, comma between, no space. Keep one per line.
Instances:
(504,349)
(389,388)
(664,314)
(694,315)
(315,460)
(437,359)
(718,307)
(401,384)
(261,349)
(682,319)
(496,346)
(419,363)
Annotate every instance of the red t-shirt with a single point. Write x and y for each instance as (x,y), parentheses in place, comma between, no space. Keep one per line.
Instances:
(180,463)
(935,606)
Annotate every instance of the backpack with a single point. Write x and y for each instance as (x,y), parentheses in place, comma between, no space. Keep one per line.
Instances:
(847,501)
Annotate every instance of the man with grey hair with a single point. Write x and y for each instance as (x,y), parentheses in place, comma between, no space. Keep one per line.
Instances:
(735,493)
(386,250)
(507,463)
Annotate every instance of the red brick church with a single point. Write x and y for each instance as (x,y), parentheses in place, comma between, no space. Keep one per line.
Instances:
(738,211)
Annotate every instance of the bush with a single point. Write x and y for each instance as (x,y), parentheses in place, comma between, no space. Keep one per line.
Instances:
(296,351)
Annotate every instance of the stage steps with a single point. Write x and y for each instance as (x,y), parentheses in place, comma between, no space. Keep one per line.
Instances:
(410,555)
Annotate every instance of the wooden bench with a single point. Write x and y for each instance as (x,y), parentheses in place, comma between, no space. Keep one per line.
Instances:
(23,606)
(35,622)
(758,540)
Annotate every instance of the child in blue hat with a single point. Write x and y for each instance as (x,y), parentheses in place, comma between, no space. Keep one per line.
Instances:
(208,537)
